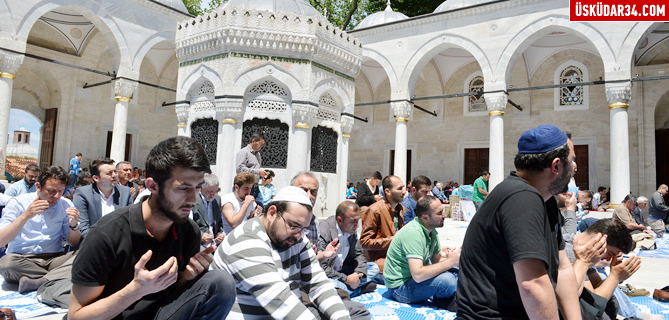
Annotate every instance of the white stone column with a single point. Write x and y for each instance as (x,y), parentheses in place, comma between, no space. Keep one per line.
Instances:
(123,90)
(9,64)
(402,111)
(618,96)
(182,118)
(229,111)
(496,104)
(302,115)
(346,127)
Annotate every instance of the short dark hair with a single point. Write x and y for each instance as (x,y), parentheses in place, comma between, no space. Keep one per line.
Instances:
(81,183)
(53,172)
(616,233)
(174,152)
(257,136)
(423,204)
(600,189)
(95,164)
(32,167)
(485,173)
(377,175)
(420,181)
(270,174)
(78,154)
(84,174)
(537,162)
(344,207)
(629,197)
(387,183)
(281,206)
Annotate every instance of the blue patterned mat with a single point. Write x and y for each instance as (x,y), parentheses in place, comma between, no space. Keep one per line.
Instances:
(24,305)
(647,304)
(662,250)
(382,307)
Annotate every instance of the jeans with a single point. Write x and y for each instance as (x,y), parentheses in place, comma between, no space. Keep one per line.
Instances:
(210,296)
(441,288)
(372,271)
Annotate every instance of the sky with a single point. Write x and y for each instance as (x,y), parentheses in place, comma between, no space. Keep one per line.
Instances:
(21,119)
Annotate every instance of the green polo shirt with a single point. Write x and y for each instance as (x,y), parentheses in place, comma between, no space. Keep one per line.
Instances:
(412,241)
(479,183)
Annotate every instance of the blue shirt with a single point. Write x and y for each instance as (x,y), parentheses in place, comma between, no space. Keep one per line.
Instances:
(439,194)
(19,187)
(267,193)
(410,204)
(75,166)
(43,233)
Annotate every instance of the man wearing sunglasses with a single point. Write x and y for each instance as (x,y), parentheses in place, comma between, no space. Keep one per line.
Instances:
(265,288)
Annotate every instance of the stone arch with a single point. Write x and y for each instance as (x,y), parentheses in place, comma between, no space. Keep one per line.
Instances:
(148,44)
(431,48)
(6,26)
(629,45)
(94,12)
(545,25)
(334,87)
(370,54)
(195,78)
(269,71)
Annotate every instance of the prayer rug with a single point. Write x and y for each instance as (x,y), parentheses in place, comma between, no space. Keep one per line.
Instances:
(662,250)
(382,307)
(647,304)
(24,305)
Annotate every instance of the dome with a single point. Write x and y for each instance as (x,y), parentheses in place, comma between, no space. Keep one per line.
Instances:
(22,150)
(174,4)
(287,6)
(449,5)
(381,17)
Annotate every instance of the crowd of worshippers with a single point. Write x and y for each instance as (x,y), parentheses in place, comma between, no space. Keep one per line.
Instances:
(180,250)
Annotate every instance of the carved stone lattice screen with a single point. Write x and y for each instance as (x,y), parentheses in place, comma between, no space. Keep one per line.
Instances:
(205,132)
(323,150)
(275,151)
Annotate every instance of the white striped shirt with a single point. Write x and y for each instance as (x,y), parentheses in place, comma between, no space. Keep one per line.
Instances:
(268,280)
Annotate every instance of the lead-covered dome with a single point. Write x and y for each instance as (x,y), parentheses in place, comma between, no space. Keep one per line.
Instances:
(287,6)
(175,4)
(449,5)
(379,18)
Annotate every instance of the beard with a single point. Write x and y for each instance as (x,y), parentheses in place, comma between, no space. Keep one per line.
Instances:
(561,184)
(165,206)
(280,245)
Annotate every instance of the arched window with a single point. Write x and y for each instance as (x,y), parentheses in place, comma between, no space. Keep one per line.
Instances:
(267,96)
(275,151)
(203,97)
(476,102)
(323,149)
(571,95)
(327,108)
(205,132)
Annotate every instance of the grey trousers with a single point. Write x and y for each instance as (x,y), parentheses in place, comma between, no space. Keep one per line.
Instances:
(48,265)
(657,226)
(357,310)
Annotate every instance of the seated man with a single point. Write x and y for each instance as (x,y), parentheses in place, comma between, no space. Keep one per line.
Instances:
(416,269)
(420,186)
(101,197)
(623,213)
(239,205)
(33,226)
(438,191)
(348,270)
(143,261)
(271,260)
(382,220)
(641,204)
(25,185)
(207,212)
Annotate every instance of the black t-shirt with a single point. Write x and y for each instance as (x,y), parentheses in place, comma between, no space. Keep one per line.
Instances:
(115,244)
(512,224)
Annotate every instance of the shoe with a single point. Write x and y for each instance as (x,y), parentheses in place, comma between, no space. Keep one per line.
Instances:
(634,292)
(7,314)
(370,287)
(665,289)
(660,295)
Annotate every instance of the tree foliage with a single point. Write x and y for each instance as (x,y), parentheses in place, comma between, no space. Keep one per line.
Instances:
(410,8)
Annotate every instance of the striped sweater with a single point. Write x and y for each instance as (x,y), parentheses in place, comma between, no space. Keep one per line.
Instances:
(268,280)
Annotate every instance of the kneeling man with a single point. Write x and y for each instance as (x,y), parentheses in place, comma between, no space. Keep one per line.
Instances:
(416,268)
(348,270)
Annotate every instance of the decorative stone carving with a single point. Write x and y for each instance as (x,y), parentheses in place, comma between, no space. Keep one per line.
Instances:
(496,101)
(402,110)
(276,141)
(303,113)
(205,132)
(206,89)
(229,108)
(619,92)
(325,113)
(124,88)
(268,105)
(9,63)
(323,150)
(346,125)
(203,106)
(182,112)
(268,87)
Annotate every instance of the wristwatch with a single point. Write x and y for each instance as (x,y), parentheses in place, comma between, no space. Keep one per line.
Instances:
(75,227)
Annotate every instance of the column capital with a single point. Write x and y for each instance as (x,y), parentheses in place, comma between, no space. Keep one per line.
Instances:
(229,110)
(402,110)
(182,113)
(302,114)
(618,92)
(124,89)
(496,103)
(346,125)
(9,64)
